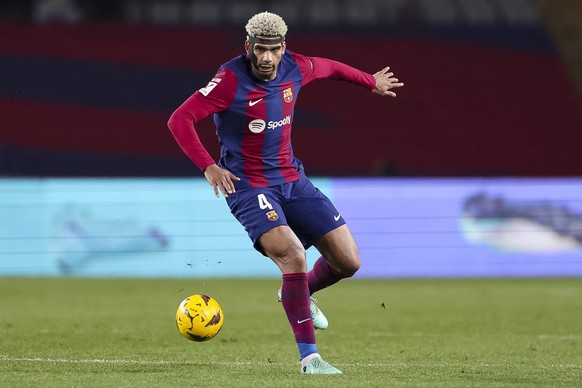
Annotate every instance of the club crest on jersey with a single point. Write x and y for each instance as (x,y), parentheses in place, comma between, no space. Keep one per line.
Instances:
(211,85)
(288,95)
(272,215)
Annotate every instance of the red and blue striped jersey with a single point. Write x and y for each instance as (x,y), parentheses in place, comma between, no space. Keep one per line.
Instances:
(253,117)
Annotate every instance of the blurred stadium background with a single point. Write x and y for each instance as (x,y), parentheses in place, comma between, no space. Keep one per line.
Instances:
(474,170)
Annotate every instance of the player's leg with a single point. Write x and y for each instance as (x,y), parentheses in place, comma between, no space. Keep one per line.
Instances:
(261,214)
(311,215)
(344,261)
(340,259)
(287,252)
(282,246)
(317,222)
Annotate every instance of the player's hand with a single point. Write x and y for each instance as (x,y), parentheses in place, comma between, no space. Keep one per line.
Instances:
(220,179)
(385,82)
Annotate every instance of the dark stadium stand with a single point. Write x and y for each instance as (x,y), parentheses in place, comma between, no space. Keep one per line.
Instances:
(486,93)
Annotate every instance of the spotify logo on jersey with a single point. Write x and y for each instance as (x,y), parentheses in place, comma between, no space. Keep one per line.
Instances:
(257,126)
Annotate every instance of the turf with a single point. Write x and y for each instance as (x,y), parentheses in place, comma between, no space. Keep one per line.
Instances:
(383,333)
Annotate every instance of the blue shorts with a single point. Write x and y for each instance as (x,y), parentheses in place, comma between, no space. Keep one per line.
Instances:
(300,205)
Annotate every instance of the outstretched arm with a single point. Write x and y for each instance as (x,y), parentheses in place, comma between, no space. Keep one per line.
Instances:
(385,82)
(314,68)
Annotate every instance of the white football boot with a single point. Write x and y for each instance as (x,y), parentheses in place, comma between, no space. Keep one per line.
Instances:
(317,366)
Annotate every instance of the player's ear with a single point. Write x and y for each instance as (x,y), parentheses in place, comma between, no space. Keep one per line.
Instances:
(284,45)
(247,46)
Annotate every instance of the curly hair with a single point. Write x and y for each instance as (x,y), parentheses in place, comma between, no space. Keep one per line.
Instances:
(266,24)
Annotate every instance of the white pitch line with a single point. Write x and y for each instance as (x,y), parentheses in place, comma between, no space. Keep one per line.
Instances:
(105,361)
(559,337)
(398,364)
(163,362)
(502,335)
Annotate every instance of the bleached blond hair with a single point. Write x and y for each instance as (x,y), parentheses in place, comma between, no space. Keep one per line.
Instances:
(266,24)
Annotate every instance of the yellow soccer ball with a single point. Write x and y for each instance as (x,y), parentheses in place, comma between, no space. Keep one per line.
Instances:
(199,317)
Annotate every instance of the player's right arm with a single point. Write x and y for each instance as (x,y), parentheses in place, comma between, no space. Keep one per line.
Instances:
(215,97)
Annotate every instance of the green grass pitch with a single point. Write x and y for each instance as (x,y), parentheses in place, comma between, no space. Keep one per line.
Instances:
(383,333)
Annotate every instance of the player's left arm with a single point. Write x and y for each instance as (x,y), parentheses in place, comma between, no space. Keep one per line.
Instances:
(314,68)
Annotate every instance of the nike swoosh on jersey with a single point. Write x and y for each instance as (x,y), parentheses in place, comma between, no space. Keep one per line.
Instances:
(253,103)
(337,217)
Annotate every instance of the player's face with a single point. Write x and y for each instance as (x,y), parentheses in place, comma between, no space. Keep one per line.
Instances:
(265,58)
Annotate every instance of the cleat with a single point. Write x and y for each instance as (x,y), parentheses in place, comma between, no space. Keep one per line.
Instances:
(319,320)
(318,366)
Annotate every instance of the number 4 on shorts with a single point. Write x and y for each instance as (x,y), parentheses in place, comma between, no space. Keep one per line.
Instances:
(263,202)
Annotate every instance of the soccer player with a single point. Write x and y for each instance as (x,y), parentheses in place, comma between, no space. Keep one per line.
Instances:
(252,98)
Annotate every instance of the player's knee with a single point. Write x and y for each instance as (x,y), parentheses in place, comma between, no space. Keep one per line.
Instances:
(349,262)
(350,267)
(290,258)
